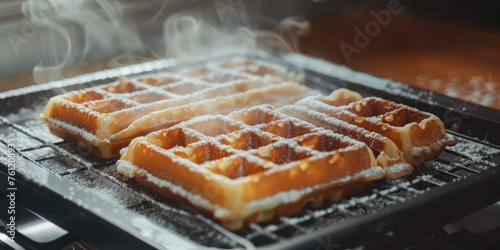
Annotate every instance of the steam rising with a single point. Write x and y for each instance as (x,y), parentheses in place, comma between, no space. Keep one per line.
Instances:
(186,36)
(71,29)
(76,32)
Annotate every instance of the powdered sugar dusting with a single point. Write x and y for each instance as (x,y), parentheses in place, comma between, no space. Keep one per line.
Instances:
(129,168)
(103,188)
(473,149)
(76,130)
(40,130)
(329,213)
(234,165)
(293,195)
(22,140)
(121,100)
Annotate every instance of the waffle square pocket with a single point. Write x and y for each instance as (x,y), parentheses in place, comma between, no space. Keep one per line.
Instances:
(106,118)
(420,136)
(250,165)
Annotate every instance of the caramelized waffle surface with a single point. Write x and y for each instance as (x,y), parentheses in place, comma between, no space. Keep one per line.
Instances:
(249,165)
(106,118)
(419,136)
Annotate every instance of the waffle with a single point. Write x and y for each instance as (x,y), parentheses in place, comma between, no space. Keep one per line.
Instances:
(420,136)
(106,118)
(249,165)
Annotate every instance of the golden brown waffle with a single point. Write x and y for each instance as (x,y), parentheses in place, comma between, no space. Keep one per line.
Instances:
(250,165)
(106,118)
(239,68)
(419,135)
(386,152)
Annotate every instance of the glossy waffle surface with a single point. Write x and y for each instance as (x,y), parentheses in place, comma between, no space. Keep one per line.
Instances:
(420,136)
(106,118)
(250,165)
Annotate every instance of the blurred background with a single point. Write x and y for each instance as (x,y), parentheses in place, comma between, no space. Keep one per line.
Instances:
(448,46)
(452,47)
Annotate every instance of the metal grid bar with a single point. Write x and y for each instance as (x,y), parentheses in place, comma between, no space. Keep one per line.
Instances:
(106,162)
(384,193)
(350,202)
(277,231)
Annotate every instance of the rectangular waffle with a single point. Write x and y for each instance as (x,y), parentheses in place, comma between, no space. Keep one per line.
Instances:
(249,165)
(106,118)
(420,136)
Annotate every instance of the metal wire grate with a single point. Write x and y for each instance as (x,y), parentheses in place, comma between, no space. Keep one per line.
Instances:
(100,177)
(38,147)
